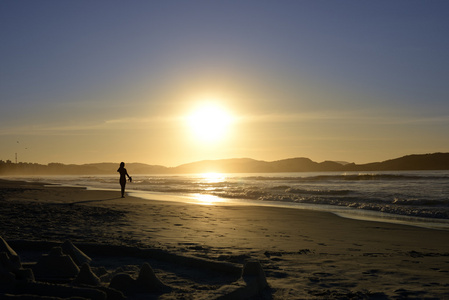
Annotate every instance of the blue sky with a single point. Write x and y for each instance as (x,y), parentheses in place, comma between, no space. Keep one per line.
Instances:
(92,81)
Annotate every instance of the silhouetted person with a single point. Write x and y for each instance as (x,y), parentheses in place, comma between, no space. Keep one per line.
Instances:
(123,174)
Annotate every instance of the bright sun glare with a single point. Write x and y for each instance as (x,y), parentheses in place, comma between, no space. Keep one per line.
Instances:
(209,122)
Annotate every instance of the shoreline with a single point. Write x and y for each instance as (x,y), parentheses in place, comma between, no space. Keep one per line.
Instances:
(304,254)
(205,199)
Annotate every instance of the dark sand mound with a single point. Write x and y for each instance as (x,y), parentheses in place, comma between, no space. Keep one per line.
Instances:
(119,272)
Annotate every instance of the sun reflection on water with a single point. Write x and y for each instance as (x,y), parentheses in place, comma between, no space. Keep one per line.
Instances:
(206,199)
(213,177)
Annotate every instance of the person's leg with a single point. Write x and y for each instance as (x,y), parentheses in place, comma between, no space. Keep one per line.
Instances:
(123,190)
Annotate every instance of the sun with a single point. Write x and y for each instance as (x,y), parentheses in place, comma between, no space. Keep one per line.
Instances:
(209,122)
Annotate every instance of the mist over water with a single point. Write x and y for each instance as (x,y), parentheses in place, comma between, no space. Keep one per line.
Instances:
(419,196)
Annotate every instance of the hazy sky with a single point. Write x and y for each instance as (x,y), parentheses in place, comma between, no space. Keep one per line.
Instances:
(110,81)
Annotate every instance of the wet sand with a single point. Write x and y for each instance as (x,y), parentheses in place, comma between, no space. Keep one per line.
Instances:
(305,254)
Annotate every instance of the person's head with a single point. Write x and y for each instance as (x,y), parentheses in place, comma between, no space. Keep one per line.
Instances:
(122,164)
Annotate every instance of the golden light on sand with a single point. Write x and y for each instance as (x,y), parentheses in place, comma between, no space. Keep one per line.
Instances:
(209,122)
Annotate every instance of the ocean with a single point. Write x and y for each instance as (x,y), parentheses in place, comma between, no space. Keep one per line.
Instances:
(419,198)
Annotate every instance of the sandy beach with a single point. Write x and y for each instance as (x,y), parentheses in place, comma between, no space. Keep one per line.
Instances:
(304,254)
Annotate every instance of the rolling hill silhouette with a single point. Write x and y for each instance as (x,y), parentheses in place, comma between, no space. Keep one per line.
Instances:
(434,161)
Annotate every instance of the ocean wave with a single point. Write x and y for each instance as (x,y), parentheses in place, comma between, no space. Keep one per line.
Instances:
(286,194)
(279,188)
(410,211)
(248,194)
(442,212)
(317,192)
(421,202)
(349,177)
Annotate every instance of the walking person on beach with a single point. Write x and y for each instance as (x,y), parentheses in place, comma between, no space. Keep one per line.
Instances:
(123,174)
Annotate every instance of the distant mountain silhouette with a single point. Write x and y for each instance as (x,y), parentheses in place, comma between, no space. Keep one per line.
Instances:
(435,161)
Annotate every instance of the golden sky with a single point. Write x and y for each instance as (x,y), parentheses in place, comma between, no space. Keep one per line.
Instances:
(172,82)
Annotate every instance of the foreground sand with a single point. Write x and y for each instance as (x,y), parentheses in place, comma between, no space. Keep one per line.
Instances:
(305,254)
